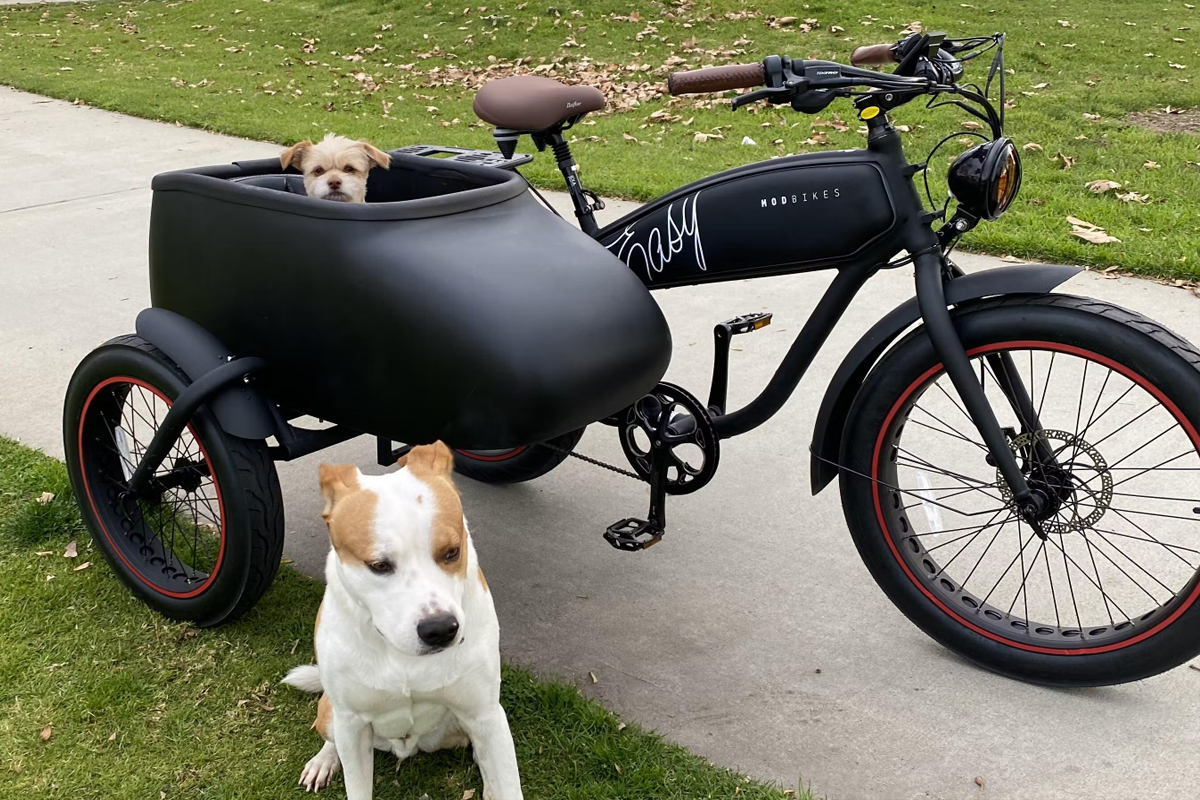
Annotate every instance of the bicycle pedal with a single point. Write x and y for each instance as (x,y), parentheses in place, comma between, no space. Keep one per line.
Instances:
(748,323)
(633,534)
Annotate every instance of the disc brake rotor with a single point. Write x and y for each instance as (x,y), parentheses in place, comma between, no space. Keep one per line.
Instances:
(1082,482)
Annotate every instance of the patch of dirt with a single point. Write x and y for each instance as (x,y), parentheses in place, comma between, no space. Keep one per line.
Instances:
(1167,120)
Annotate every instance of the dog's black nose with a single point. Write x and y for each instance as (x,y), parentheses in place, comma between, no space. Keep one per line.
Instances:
(334,184)
(438,631)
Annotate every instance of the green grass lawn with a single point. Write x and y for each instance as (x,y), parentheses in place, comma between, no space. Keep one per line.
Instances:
(102,698)
(404,72)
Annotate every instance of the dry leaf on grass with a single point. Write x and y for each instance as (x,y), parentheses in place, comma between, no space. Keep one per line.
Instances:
(1103,185)
(1090,116)
(112,737)
(1066,161)
(44,553)
(468,794)
(84,565)
(1151,165)
(1078,223)
(970,125)
(1034,146)
(1040,86)
(1133,197)
(46,498)
(47,732)
(1094,236)
(71,551)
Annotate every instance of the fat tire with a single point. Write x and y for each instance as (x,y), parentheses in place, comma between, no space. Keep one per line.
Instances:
(254,518)
(1146,347)
(532,462)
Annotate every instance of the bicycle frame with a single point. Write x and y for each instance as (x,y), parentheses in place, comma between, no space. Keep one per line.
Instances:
(661,242)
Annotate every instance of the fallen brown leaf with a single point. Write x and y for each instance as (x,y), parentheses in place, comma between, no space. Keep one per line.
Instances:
(112,737)
(592,675)
(1103,185)
(1151,165)
(47,732)
(970,125)
(1067,161)
(72,551)
(84,565)
(44,553)
(1077,222)
(1133,197)
(468,794)
(1034,146)
(46,498)
(1094,236)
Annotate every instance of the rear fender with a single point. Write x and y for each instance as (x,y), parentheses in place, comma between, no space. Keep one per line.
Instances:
(849,378)
(240,409)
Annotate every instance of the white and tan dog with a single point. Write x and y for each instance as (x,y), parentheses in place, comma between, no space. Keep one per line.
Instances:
(335,168)
(407,641)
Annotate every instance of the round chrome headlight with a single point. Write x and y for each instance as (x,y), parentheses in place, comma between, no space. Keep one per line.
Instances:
(985,178)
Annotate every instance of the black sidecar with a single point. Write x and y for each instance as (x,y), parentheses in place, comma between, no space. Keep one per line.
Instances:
(450,306)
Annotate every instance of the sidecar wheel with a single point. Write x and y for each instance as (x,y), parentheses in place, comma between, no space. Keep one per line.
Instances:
(517,464)
(1109,591)
(205,544)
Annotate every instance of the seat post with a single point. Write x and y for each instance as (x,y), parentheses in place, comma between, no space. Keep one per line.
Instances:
(579,194)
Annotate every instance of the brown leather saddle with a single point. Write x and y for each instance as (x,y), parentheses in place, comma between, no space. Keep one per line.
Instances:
(530,103)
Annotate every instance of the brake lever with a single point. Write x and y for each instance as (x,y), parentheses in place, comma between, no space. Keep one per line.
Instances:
(773,95)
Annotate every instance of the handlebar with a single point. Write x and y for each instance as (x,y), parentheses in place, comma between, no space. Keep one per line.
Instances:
(874,55)
(717,79)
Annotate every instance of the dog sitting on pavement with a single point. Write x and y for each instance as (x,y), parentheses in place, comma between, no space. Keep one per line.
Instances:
(335,168)
(407,639)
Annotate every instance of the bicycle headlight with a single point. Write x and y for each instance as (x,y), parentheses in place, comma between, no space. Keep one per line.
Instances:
(985,178)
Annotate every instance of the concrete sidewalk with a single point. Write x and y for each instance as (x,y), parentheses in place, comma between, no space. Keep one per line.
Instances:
(752,634)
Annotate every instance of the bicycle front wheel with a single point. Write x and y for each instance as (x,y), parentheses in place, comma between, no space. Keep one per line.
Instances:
(1109,593)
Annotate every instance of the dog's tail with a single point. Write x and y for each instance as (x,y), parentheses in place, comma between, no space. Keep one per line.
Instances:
(306,678)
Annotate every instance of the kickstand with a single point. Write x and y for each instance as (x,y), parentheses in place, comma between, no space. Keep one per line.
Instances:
(638,534)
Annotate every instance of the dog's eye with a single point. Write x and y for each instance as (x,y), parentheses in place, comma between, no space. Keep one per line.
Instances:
(319,171)
(451,555)
(349,170)
(382,567)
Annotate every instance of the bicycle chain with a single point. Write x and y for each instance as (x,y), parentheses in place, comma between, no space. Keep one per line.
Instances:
(592,461)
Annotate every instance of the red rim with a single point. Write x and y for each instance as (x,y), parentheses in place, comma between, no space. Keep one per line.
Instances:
(114,547)
(1062,348)
(478,455)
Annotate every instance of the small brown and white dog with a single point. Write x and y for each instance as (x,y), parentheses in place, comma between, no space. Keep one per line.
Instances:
(407,641)
(335,168)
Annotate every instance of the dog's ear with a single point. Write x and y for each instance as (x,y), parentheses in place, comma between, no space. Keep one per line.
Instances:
(294,155)
(435,458)
(377,156)
(337,481)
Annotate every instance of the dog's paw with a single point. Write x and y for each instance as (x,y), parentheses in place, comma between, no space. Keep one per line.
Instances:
(320,768)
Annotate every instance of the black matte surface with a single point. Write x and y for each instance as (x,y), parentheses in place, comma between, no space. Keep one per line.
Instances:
(467,313)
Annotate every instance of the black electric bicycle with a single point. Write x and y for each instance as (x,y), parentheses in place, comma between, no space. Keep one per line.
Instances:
(1020,470)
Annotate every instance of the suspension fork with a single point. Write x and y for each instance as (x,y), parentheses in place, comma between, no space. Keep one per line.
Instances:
(1004,370)
(931,299)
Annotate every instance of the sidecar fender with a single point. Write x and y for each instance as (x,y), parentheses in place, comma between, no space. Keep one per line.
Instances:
(240,409)
(849,378)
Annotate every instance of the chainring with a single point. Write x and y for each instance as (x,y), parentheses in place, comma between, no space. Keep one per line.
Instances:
(687,425)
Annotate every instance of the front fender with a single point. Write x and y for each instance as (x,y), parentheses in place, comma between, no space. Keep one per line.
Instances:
(849,378)
(240,409)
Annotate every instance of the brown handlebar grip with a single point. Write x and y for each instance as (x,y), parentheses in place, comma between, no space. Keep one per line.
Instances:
(873,55)
(717,79)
